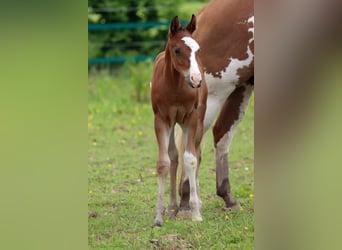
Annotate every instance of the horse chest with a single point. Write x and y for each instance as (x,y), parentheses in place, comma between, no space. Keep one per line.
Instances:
(175,106)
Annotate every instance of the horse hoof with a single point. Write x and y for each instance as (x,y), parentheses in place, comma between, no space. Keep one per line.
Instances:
(173,213)
(158,223)
(234,207)
(197,218)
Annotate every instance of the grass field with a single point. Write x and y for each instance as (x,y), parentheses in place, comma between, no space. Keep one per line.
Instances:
(122,182)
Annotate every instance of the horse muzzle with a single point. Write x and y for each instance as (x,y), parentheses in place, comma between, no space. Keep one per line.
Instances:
(194,80)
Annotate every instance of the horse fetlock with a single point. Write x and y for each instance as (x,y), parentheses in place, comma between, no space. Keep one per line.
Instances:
(172,211)
(196,215)
(158,222)
(160,209)
(200,205)
(231,202)
(195,206)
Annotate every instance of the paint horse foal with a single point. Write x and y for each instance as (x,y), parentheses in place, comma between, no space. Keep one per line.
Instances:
(178,95)
(225,31)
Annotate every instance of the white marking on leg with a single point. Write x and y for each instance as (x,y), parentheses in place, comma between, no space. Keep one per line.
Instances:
(190,163)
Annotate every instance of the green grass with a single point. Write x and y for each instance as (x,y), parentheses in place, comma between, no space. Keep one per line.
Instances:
(123,186)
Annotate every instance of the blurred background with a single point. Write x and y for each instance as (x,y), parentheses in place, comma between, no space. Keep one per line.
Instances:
(47,91)
(121,31)
(124,37)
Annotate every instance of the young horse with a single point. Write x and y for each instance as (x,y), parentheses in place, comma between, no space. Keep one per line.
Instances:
(178,95)
(225,31)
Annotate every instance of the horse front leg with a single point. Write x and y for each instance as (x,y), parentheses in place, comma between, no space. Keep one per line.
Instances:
(199,135)
(184,186)
(162,132)
(190,166)
(230,116)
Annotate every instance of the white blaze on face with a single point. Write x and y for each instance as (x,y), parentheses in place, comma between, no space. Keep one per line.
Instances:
(194,71)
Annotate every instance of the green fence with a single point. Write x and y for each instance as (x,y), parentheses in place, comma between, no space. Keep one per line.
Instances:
(118,26)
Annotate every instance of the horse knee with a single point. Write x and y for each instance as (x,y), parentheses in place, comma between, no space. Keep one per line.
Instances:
(163,167)
(190,162)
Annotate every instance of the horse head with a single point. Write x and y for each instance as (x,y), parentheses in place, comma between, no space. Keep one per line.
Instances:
(182,49)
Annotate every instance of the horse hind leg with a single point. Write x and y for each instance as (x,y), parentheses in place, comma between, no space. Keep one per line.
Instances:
(184,187)
(173,154)
(230,116)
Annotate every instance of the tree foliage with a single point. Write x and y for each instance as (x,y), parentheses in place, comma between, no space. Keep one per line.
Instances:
(129,42)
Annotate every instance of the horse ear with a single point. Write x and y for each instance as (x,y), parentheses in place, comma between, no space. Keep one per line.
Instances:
(192,25)
(174,26)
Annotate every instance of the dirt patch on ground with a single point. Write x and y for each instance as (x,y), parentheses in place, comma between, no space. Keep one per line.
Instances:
(171,241)
(92,214)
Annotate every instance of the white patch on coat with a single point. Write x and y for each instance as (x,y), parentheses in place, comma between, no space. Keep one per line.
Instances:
(251,20)
(217,93)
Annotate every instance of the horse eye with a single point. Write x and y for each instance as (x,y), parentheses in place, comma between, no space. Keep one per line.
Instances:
(177,51)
